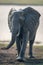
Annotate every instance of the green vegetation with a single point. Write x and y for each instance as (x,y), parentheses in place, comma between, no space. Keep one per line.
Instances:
(36,2)
(6,43)
(3,45)
(41,47)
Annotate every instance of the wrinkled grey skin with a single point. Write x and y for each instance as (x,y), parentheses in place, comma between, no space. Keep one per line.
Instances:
(23,28)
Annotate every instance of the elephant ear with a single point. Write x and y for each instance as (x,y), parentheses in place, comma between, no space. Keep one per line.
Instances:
(10,16)
(31,11)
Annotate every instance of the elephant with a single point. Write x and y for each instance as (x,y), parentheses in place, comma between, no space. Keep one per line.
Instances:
(23,25)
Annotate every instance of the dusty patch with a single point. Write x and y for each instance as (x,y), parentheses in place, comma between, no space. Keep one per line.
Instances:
(8,57)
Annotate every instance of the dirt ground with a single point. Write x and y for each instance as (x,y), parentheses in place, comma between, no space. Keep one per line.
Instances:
(8,57)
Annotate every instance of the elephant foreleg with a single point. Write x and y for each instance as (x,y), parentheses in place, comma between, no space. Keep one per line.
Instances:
(23,47)
(30,47)
(19,40)
(18,44)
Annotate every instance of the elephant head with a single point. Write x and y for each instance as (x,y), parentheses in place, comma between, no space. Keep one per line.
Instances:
(21,16)
(13,14)
(15,22)
(27,18)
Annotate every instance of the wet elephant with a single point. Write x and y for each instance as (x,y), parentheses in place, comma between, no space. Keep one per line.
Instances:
(24,27)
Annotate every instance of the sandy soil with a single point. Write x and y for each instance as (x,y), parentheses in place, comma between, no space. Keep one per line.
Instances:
(8,57)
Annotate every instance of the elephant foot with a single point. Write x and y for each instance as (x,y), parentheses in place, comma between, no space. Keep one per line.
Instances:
(32,57)
(20,59)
